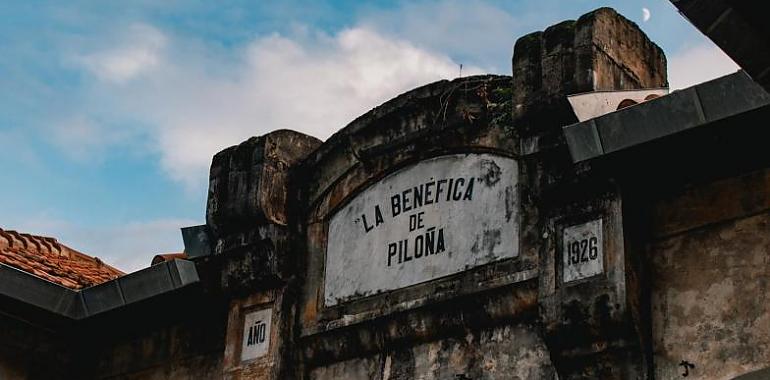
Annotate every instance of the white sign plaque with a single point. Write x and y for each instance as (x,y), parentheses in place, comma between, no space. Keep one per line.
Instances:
(583,251)
(256,334)
(435,218)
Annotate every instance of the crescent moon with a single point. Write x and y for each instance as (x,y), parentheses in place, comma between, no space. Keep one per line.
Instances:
(645,14)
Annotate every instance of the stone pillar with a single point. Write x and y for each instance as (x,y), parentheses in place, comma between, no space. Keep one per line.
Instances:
(247,216)
(591,308)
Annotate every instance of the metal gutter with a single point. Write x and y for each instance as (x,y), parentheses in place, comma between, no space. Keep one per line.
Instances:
(682,110)
(134,287)
(32,290)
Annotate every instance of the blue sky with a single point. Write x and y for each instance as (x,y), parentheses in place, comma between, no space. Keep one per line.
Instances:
(110,111)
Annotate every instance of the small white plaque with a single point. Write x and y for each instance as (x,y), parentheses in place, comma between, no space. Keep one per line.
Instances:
(583,251)
(256,334)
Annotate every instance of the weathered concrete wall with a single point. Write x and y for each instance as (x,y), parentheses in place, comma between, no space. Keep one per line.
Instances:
(711,279)
(11,371)
(249,214)
(587,326)
(472,314)
(591,325)
(509,352)
(273,362)
(29,352)
(529,304)
(468,115)
(202,367)
(180,351)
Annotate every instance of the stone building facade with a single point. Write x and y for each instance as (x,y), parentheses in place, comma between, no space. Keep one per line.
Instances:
(479,228)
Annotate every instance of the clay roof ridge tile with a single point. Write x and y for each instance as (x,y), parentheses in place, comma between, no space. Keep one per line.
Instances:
(15,240)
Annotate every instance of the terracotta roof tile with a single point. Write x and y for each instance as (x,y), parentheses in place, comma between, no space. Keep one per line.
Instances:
(48,259)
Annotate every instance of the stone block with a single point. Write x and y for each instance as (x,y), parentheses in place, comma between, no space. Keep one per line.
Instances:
(558,59)
(248,182)
(256,260)
(527,70)
(622,56)
(602,50)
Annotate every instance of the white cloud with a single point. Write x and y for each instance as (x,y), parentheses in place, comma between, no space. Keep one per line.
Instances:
(698,64)
(476,31)
(127,247)
(192,99)
(138,51)
(83,139)
(196,102)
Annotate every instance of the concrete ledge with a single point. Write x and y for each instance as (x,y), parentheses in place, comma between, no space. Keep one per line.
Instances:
(653,120)
(183,273)
(730,95)
(33,290)
(103,297)
(134,287)
(583,141)
(146,283)
(682,110)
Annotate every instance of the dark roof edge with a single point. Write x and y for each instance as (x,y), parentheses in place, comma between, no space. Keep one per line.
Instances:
(32,290)
(150,282)
(681,110)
